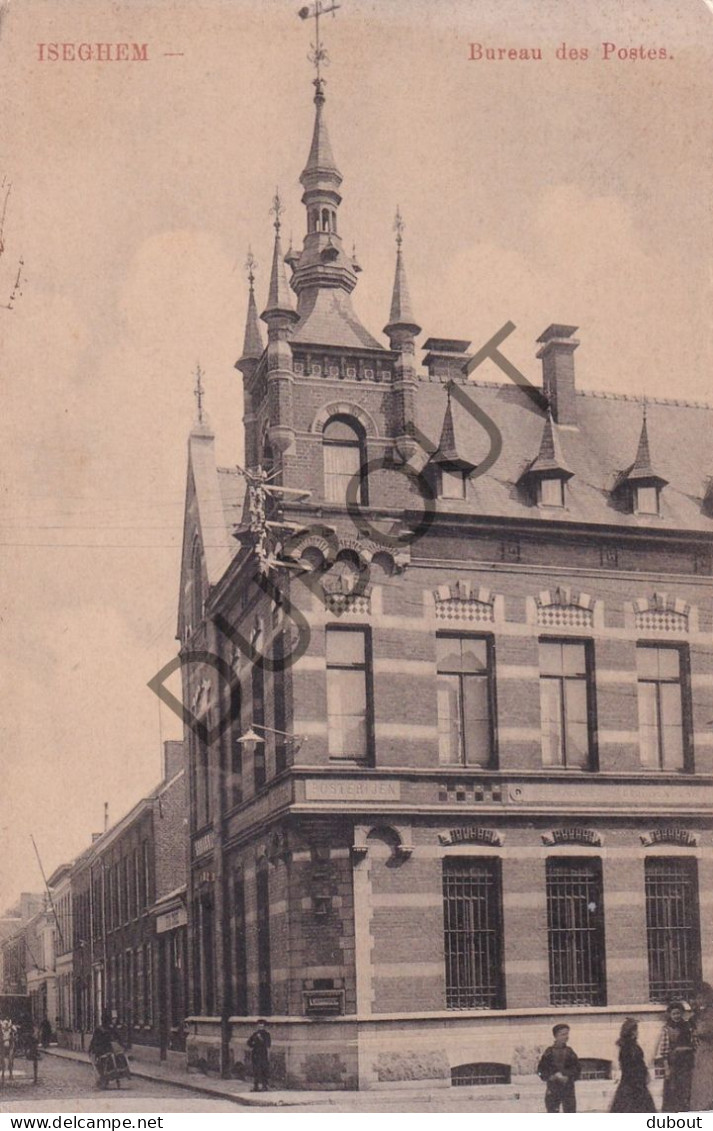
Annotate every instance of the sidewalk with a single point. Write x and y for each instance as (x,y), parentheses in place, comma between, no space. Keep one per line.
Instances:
(593,1095)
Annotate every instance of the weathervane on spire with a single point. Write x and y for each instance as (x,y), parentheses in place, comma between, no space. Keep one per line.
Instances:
(250,265)
(277,209)
(399,226)
(199,392)
(318,55)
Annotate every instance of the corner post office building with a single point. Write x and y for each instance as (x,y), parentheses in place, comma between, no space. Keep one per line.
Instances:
(450,777)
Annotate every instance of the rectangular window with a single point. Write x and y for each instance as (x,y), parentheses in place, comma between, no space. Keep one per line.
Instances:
(552,492)
(453,484)
(258,697)
(146,861)
(263,940)
(139,986)
(465,691)
(279,688)
(148,984)
(673,934)
(236,772)
(137,883)
(663,708)
(575,932)
(647,500)
(567,704)
(472,923)
(349,711)
(240,980)
(341,464)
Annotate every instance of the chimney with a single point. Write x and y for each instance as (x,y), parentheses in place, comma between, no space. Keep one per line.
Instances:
(445,358)
(557,352)
(173,761)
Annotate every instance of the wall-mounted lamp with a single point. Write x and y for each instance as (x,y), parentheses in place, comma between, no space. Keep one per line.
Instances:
(251,735)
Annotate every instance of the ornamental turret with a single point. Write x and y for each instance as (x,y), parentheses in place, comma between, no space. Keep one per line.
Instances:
(280,318)
(402,330)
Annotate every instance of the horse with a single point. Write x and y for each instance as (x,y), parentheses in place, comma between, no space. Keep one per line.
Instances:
(8,1041)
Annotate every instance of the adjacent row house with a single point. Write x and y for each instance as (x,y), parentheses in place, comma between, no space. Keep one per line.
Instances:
(110,934)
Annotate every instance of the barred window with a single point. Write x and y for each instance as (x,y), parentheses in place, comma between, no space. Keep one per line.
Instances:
(465,698)
(575,932)
(663,715)
(472,922)
(672,927)
(344,454)
(567,704)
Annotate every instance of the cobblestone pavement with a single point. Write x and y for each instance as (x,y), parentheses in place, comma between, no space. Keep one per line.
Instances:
(66,1085)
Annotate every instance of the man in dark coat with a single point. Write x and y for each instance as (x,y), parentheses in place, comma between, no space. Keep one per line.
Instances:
(559,1068)
(259,1045)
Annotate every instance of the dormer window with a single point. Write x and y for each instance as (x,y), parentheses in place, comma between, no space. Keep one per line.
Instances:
(646,500)
(551,492)
(543,480)
(453,483)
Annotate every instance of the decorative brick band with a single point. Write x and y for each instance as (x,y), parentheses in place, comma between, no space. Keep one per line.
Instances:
(563,608)
(662,613)
(464,601)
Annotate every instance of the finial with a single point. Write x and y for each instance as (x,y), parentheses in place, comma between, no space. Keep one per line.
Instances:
(277,210)
(645,407)
(318,54)
(199,392)
(250,265)
(399,227)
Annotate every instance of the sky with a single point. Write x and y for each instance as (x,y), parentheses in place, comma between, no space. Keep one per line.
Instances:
(533,191)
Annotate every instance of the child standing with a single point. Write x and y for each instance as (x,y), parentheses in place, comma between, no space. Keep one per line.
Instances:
(559,1068)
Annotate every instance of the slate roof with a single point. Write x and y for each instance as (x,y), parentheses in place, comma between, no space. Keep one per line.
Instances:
(328,319)
(597,452)
(232,491)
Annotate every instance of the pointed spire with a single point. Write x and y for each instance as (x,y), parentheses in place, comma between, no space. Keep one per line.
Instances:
(451,447)
(549,461)
(252,344)
(401,315)
(278,299)
(320,165)
(642,469)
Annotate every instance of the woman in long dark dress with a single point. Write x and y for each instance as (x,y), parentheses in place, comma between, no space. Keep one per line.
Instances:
(633,1093)
(676,1052)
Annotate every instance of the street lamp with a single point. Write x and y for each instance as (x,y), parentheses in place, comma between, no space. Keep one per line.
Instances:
(251,735)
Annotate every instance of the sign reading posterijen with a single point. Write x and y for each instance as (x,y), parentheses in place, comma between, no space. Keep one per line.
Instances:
(352,789)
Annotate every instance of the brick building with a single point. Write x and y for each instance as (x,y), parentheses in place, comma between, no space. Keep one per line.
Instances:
(450,754)
(128,930)
(13,956)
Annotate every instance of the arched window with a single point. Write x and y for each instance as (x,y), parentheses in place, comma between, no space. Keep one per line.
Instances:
(325,219)
(344,454)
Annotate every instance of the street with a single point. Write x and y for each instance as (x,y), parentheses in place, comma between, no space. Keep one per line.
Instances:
(68,1086)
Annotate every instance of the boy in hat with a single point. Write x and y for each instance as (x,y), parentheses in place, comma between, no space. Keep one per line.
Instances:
(559,1068)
